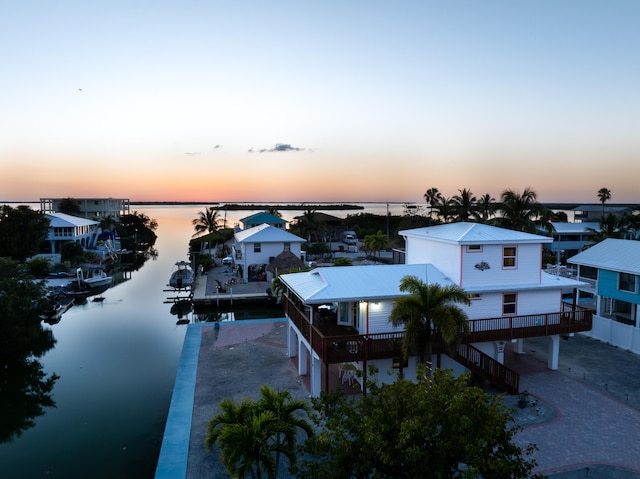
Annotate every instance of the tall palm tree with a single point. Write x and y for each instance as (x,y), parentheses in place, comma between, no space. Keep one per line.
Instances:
(429,307)
(522,212)
(287,411)
(445,209)
(376,242)
(432,197)
(464,204)
(485,208)
(207,221)
(604,195)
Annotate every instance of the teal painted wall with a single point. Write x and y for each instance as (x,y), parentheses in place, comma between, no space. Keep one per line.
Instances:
(608,287)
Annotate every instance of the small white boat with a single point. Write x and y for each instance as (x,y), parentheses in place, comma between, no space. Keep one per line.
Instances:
(95,278)
(182,276)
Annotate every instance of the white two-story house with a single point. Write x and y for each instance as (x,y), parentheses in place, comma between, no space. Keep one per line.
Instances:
(254,248)
(64,228)
(339,315)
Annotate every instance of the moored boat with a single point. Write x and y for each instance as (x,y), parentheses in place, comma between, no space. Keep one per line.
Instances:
(182,276)
(95,278)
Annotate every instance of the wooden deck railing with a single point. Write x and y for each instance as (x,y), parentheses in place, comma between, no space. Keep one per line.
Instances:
(337,348)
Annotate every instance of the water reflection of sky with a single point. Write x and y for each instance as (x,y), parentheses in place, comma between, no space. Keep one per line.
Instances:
(117,361)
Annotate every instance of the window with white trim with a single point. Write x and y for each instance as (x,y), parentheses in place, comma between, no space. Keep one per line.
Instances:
(627,282)
(474,248)
(257,247)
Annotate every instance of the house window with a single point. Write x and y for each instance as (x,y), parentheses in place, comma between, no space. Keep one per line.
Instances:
(509,302)
(256,247)
(287,246)
(474,248)
(509,257)
(475,296)
(627,282)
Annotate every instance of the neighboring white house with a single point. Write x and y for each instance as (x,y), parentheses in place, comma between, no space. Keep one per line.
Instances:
(254,248)
(91,207)
(64,228)
(340,314)
(610,271)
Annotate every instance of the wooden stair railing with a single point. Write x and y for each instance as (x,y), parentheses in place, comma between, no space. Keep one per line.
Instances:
(487,368)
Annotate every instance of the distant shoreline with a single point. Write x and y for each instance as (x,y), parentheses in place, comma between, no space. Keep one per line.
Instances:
(301,206)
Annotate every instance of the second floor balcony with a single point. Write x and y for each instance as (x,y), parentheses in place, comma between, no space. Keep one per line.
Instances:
(335,344)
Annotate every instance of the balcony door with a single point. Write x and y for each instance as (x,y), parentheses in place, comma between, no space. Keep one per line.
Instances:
(344,315)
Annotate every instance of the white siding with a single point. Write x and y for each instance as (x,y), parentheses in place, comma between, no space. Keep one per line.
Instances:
(527,270)
(446,257)
(378,318)
(529,302)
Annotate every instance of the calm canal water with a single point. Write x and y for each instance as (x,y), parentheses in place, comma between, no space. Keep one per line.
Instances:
(117,360)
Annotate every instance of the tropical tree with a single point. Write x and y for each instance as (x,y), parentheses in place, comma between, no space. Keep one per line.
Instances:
(611,226)
(22,230)
(307,225)
(604,195)
(438,427)
(522,212)
(432,197)
(69,206)
(376,242)
(445,209)
(207,221)
(464,204)
(253,435)
(428,308)
(272,210)
(485,208)
(287,411)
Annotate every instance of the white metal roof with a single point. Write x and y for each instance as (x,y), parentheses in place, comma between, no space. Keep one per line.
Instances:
(547,281)
(353,283)
(61,220)
(612,254)
(465,233)
(265,233)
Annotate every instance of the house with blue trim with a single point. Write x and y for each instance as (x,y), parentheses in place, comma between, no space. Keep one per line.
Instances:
(610,272)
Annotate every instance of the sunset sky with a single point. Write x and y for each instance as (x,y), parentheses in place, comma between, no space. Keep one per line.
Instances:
(319,101)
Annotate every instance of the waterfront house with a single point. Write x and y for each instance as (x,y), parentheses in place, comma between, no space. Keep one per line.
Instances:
(64,228)
(338,316)
(610,273)
(91,208)
(262,218)
(586,213)
(255,248)
(571,238)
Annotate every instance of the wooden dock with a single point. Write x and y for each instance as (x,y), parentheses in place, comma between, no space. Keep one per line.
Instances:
(220,285)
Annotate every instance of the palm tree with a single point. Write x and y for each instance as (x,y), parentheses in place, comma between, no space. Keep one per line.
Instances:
(286,411)
(376,242)
(522,212)
(429,307)
(432,197)
(446,211)
(604,195)
(308,224)
(251,436)
(207,221)
(464,204)
(485,208)
(272,210)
